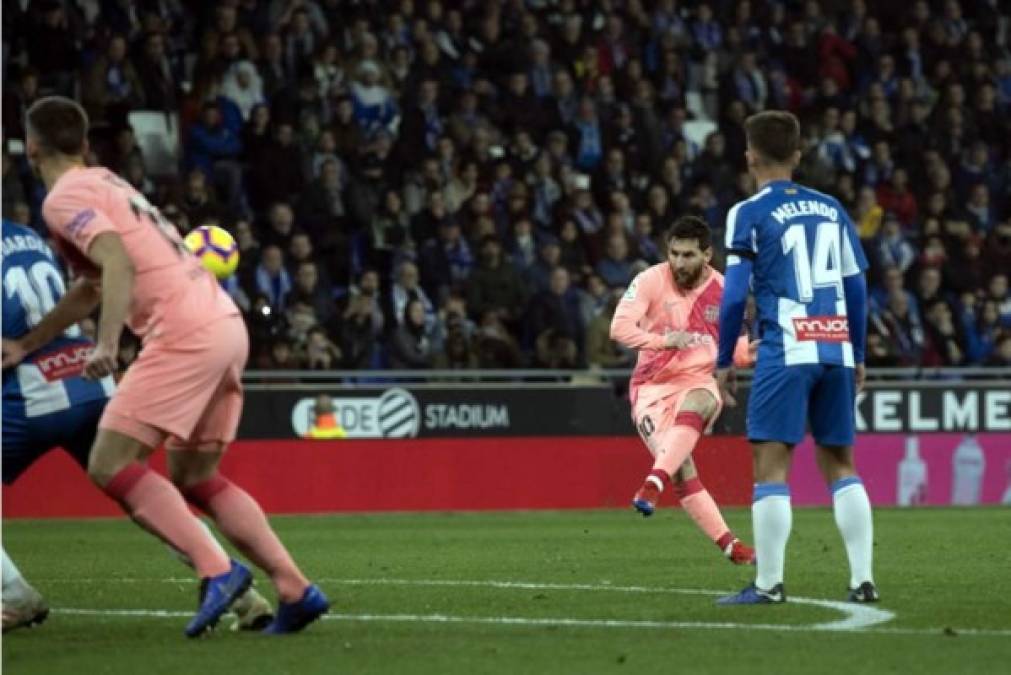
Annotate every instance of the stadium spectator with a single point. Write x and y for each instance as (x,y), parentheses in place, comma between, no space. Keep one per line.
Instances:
(495,285)
(536,124)
(556,310)
(413,344)
(272,279)
(601,350)
(111,87)
(616,267)
(407,289)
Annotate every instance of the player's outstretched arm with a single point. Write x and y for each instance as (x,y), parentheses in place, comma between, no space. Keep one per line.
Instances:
(78,302)
(107,251)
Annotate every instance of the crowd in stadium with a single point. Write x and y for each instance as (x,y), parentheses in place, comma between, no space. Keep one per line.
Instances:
(437,184)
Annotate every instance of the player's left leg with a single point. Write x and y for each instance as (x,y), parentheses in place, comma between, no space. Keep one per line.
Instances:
(23,606)
(700,505)
(833,427)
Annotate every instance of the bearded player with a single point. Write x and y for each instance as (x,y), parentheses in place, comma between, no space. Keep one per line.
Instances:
(670,314)
(184,389)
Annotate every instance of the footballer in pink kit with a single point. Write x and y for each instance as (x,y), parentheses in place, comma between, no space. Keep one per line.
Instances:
(183,391)
(670,314)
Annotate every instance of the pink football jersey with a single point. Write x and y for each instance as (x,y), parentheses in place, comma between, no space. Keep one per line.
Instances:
(172,294)
(654,305)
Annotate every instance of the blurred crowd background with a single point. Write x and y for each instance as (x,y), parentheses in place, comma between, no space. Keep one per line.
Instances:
(464,184)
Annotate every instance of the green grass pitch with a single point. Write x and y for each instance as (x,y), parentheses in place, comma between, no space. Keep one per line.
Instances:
(532,592)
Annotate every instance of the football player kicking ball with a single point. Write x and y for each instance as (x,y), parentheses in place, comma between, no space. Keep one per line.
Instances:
(804,255)
(184,389)
(669,314)
(47,404)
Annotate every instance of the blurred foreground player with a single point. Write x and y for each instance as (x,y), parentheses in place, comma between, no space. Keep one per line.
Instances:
(184,389)
(799,251)
(47,404)
(669,315)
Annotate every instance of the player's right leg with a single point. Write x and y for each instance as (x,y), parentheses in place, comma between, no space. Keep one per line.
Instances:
(241,520)
(116,466)
(671,429)
(833,426)
(777,414)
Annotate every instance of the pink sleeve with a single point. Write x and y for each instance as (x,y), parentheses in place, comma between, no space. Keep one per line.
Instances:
(742,358)
(633,307)
(75,215)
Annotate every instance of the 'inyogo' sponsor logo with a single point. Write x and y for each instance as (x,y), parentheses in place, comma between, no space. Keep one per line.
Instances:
(822,328)
(64,362)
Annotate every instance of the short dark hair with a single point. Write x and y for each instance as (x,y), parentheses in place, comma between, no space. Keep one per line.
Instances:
(59,124)
(690,227)
(773,134)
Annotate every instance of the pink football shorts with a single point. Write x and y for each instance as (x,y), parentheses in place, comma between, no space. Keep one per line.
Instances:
(187,394)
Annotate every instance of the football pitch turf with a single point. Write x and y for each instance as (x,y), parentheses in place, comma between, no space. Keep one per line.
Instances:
(533,592)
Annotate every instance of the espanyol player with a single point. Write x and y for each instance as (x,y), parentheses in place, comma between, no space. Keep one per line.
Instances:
(48,404)
(799,252)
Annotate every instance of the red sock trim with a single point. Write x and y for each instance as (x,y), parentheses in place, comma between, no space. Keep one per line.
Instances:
(200,494)
(689,487)
(725,540)
(690,418)
(121,484)
(661,474)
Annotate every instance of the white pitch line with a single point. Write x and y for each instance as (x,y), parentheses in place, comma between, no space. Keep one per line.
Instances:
(857,618)
(546,621)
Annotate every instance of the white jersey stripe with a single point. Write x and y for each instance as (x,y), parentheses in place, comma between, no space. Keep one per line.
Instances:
(795,352)
(41,397)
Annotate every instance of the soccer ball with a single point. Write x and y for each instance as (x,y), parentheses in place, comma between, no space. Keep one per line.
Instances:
(216,249)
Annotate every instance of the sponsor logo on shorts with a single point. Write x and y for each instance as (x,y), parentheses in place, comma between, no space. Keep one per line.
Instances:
(64,362)
(393,414)
(822,328)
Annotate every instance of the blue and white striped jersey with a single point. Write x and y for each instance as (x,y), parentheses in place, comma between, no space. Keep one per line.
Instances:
(48,380)
(802,245)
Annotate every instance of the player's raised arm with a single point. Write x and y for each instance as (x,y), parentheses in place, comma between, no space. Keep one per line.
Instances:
(634,304)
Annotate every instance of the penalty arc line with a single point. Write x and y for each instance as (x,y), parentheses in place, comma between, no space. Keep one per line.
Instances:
(859,619)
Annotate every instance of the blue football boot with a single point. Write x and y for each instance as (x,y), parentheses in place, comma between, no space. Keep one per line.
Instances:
(753,595)
(294,616)
(216,595)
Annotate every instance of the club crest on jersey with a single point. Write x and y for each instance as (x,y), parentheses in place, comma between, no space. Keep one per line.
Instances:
(712,313)
(822,328)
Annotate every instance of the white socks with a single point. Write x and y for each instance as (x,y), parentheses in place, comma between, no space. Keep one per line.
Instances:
(853,518)
(771,519)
